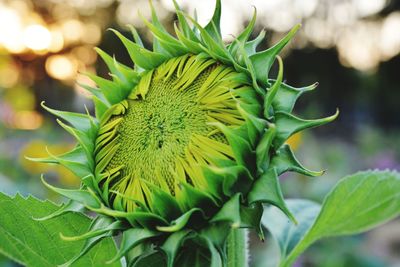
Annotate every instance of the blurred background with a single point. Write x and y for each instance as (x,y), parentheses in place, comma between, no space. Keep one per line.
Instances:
(351,47)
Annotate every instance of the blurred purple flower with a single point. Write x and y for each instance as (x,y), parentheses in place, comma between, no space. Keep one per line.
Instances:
(386,160)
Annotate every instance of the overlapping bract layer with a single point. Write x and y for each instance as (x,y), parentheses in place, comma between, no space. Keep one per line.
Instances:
(232,189)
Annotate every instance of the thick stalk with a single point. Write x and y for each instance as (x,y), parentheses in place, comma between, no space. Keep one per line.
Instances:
(236,248)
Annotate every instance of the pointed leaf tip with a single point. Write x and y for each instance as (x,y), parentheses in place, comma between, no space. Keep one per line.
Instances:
(262,61)
(229,212)
(136,35)
(99,228)
(263,148)
(213,27)
(142,57)
(130,239)
(288,124)
(71,206)
(180,222)
(244,35)
(272,92)
(266,189)
(284,160)
(85,197)
(82,122)
(287,96)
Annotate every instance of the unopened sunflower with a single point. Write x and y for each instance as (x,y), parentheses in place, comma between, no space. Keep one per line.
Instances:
(185,147)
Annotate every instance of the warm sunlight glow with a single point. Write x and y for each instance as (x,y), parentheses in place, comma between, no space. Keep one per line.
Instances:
(91,34)
(57,41)
(9,75)
(72,30)
(390,36)
(61,67)
(37,37)
(10,28)
(369,7)
(27,120)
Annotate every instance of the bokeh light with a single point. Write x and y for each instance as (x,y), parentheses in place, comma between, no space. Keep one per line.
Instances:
(390,36)
(61,67)
(27,120)
(72,30)
(339,24)
(37,37)
(10,30)
(9,75)
(57,41)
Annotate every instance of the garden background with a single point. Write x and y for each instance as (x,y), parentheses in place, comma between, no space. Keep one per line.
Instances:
(351,47)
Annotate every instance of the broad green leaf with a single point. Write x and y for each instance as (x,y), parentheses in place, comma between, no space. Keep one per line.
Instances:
(38,243)
(356,204)
(286,233)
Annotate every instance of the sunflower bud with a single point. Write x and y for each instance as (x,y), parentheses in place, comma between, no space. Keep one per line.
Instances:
(186,145)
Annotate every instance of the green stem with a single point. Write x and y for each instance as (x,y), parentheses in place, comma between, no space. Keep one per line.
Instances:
(236,248)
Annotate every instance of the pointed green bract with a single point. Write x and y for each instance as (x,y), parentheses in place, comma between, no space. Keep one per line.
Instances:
(230,212)
(141,56)
(244,36)
(284,161)
(266,189)
(71,206)
(85,197)
(271,94)
(262,61)
(173,243)
(287,95)
(264,147)
(213,27)
(132,238)
(180,222)
(288,124)
(187,141)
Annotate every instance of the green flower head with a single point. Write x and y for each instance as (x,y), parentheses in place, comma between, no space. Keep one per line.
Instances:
(184,146)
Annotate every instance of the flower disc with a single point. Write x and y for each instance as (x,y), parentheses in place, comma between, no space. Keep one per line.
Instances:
(161,134)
